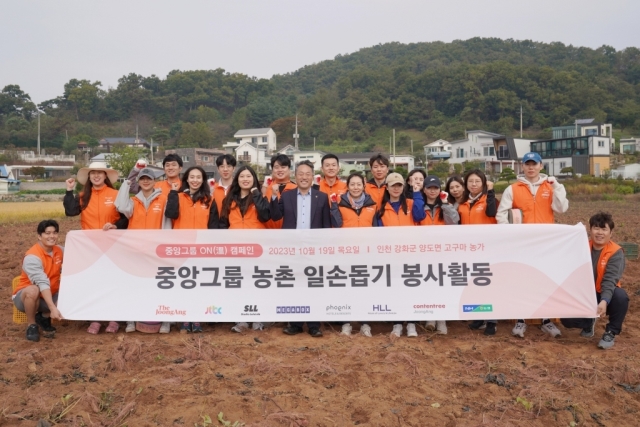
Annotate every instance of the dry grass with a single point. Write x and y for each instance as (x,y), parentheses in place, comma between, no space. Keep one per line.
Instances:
(16,212)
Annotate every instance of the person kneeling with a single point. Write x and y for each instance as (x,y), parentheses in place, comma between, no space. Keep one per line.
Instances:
(608,265)
(37,293)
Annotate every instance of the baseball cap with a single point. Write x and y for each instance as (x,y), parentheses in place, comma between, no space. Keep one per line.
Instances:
(148,172)
(432,181)
(394,178)
(532,157)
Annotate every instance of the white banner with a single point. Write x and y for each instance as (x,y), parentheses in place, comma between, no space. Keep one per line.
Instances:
(373,274)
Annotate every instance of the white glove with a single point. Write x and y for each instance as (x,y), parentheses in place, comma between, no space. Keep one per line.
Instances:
(551,180)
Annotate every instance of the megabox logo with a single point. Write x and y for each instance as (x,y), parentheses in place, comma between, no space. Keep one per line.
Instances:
(212,309)
(293,309)
(477,308)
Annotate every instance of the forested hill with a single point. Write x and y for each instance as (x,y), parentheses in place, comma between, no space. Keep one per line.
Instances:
(439,88)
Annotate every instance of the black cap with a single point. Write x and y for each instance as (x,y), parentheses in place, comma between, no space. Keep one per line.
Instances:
(432,181)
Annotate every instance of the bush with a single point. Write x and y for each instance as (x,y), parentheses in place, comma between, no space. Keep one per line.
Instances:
(624,189)
(499,187)
(53,191)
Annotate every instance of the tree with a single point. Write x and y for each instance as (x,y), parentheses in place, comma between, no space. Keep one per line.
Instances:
(196,134)
(124,158)
(507,174)
(568,170)
(35,171)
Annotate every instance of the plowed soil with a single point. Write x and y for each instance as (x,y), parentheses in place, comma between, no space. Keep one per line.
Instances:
(266,378)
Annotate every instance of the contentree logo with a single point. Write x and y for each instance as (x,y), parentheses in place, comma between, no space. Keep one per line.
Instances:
(212,309)
(477,308)
(165,310)
(250,310)
(293,309)
(338,309)
(427,308)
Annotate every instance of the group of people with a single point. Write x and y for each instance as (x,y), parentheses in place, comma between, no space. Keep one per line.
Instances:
(238,200)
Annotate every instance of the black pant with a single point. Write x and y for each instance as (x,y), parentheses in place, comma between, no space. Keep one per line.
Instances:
(309,324)
(616,310)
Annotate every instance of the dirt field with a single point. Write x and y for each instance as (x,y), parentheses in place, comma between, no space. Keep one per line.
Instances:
(270,379)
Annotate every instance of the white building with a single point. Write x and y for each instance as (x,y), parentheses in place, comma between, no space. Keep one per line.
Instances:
(629,145)
(32,157)
(439,149)
(631,171)
(477,146)
(314,157)
(264,138)
(509,153)
(588,155)
(8,182)
(250,153)
(360,161)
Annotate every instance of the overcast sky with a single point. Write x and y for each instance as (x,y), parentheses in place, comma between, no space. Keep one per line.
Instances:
(44,43)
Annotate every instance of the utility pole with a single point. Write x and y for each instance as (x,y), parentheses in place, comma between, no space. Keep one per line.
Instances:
(389,146)
(520,120)
(394,149)
(296,135)
(412,147)
(38,132)
(314,143)
(152,151)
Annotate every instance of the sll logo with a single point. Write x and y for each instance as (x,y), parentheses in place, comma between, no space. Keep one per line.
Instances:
(250,308)
(213,310)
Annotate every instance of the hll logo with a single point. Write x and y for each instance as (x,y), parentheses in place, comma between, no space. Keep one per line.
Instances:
(213,310)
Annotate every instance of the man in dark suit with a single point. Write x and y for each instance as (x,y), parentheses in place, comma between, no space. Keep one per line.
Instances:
(302,208)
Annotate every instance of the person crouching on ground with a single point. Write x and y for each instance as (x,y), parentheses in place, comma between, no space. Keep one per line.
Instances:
(145,211)
(37,293)
(608,265)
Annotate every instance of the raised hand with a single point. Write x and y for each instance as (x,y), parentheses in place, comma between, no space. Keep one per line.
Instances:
(176,185)
(489,185)
(141,164)
(334,198)
(551,180)
(444,197)
(317,179)
(212,182)
(71,184)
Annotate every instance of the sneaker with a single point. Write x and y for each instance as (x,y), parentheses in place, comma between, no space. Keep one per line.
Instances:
(397,330)
(441,327)
(346,329)
(240,327)
(519,329)
(45,324)
(131,327)
(196,328)
(33,333)
(477,324)
(490,329)
(430,325)
(607,341)
(165,328)
(185,328)
(411,330)
(551,329)
(365,330)
(590,331)
(257,326)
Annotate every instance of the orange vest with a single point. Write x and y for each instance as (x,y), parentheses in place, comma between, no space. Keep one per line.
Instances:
(271,223)
(475,214)
(339,187)
(52,265)
(165,186)
(148,219)
(350,218)
(192,215)
(376,193)
(393,219)
(218,195)
(535,210)
(249,220)
(428,220)
(606,253)
(101,209)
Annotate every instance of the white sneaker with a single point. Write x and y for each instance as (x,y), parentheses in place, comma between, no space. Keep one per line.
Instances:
(346,329)
(397,330)
(551,329)
(518,329)
(257,326)
(165,328)
(365,330)
(131,327)
(411,330)
(441,327)
(240,327)
(430,325)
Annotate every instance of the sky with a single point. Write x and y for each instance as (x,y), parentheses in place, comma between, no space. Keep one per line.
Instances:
(44,43)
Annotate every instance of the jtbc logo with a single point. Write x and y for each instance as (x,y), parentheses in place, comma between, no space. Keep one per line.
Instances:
(213,310)
(250,308)
(381,308)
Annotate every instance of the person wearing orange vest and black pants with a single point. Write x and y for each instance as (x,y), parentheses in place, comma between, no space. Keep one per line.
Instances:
(397,210)
(353,209)
(37,293)
(97,210)
(437,211)
(375,187)
(226,166)
(330,183)
(281,168)
(192,207)
(537,196)
(145,211)
(608,265)
(479,206)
